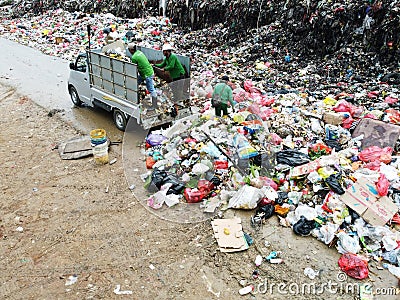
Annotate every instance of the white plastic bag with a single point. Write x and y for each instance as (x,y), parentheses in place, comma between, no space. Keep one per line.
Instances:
(246,198)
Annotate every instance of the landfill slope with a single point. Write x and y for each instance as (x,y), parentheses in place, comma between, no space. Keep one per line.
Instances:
(307,28)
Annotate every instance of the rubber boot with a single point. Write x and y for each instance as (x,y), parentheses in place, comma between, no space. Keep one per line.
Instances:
(153,102)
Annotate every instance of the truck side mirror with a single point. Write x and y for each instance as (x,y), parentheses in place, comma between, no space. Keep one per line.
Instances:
(72,65)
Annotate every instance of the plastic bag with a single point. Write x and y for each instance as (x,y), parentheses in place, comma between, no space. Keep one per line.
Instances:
(374,165)
(194,195)
(306,211)
(244,149)
(159,178)
(333,182)
(265,212)
(382,185)
(292,158)
(248,84)
(150,162)
(155,139)
(303,227)
(246,198)
(376,153)
(353,265)
(327,232)
(200,168)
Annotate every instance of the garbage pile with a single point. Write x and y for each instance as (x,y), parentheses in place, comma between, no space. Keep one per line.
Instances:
(324,163)
(303,28)
(125,9)
(314,142)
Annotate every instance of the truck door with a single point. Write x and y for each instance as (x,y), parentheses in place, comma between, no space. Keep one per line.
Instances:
(79,77)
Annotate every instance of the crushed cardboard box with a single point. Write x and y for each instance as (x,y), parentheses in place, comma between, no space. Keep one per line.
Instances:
(364,199)
(229,235)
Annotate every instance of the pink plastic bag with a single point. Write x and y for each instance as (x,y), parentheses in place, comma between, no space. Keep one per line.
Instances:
(391,100)
(374,153)
(353,265)
(374,165)
(347,122)
(239,95)
(382,185)
(344,106)
(269,182)
(248,84)
(275,139)
(266,101)
(266,114)
(254,109)
(370,116)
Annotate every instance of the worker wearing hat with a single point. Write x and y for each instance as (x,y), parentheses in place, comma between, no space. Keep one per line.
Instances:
(171,63)
(145,70)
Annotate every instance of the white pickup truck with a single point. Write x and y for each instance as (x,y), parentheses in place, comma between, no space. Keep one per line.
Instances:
(99,80)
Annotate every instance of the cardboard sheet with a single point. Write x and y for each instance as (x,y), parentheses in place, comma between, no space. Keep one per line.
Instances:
(377,133)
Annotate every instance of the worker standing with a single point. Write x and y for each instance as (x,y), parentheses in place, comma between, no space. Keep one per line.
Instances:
(171,64)
(145,70)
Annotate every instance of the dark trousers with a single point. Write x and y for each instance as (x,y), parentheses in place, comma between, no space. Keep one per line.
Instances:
(223,107)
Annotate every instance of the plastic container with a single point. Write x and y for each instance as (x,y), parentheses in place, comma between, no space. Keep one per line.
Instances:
(97,137)
(100,154)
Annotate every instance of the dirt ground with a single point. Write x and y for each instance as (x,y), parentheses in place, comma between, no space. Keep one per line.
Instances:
(72,217)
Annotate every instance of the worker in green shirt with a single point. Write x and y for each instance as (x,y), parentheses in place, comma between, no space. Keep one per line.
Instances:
(225,91)
(171,63)
(145,70)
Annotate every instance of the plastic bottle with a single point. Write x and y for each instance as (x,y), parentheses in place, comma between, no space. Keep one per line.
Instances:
(392,269)
(246,290)
(347,243)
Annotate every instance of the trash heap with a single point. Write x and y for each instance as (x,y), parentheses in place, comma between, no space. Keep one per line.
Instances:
(303,28)
(324,163)
(63,34)
(308,137)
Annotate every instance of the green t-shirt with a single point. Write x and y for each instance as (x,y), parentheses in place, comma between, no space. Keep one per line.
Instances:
(144,67)
(225,91)
(173,66)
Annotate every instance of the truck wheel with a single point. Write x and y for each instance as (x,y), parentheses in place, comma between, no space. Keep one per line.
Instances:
(119,119)
(74,96)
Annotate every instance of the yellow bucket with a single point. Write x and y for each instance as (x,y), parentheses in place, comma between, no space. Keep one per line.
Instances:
(98,134)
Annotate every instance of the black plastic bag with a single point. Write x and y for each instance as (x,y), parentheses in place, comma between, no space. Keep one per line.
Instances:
(264,161)
(292,158)
(159,178)
(334,144)
(282,196)
(334,184)
(266,211)
(304,227)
